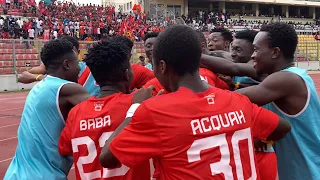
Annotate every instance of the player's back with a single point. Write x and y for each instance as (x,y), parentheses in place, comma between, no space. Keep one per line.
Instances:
(89,125)
(298,153)
(37,155)
(205,135)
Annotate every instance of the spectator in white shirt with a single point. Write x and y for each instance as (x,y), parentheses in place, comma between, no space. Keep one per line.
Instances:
(31,35)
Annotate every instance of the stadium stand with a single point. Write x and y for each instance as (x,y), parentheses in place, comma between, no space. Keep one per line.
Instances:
(25,58)
(28,15)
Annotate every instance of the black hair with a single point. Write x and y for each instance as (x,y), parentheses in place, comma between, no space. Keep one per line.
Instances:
(282,35)
(108,61)
(55,52)
(225,33)
(123,40)
(201,37)
(150,35)
(248,35)
(180,48)
(74,42)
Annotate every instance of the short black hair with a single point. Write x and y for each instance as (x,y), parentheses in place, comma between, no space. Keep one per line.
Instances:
(150,35)
(248,35)
(180,48)
(123,40)
(282,35)
(73,40)
(55,52)
(201,37)
(225,33)
(108,61)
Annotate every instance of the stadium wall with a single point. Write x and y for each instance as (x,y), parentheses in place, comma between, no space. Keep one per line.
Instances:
(9,82)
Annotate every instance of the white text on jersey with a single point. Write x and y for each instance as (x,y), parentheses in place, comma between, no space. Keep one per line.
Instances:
(216,122)
(95,123)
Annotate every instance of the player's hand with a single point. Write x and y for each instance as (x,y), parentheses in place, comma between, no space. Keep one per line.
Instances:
(260,146)
(142,94)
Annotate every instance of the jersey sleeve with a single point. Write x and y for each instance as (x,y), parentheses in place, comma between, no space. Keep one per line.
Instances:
(264,122)
(64,145)
(157,86)
(141,76)
(139,141)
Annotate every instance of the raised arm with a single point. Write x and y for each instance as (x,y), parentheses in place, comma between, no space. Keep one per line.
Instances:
(276,86)
(226,67)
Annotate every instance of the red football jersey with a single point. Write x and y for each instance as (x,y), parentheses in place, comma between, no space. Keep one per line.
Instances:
(213,79)
(88,126)
(157,86)
(141,76)
(205,75)
(206,135)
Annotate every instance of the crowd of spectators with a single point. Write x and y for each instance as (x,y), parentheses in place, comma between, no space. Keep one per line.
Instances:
(92,22)
(207,21)
(84,22)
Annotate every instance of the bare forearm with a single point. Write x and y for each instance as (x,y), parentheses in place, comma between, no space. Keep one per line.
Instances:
(27,77)
(226,67)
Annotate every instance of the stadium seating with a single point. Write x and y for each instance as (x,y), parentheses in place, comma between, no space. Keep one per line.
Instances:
(25,58)
(308,48)
(138,50)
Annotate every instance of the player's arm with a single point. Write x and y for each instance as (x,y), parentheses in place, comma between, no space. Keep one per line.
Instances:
(38,70)
(226,67)
(32,75)
(74,93)
(275,86)
(64,146)
(268,125)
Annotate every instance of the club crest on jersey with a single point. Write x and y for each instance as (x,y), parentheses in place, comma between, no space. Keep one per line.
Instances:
(98,106)
(210,98)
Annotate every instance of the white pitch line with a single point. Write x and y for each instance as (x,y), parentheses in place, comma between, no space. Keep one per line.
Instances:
(9,125)
(1,140)
(1,161)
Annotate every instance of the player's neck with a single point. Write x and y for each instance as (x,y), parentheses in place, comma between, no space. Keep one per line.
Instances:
(109,90)
(192,82)
(284,64)
(57,74)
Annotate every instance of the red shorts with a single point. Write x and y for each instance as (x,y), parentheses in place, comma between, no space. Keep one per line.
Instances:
(267,165)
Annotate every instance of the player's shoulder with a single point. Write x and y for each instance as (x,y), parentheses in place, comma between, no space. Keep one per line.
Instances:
(81,106)
(283,79)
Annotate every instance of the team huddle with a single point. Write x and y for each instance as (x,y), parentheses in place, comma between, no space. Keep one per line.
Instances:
(206,111)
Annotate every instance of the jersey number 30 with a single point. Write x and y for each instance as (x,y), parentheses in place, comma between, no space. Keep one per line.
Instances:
(223,166)
(92,155)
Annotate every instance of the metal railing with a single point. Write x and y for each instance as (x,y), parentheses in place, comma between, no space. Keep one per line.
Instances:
(18,55)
